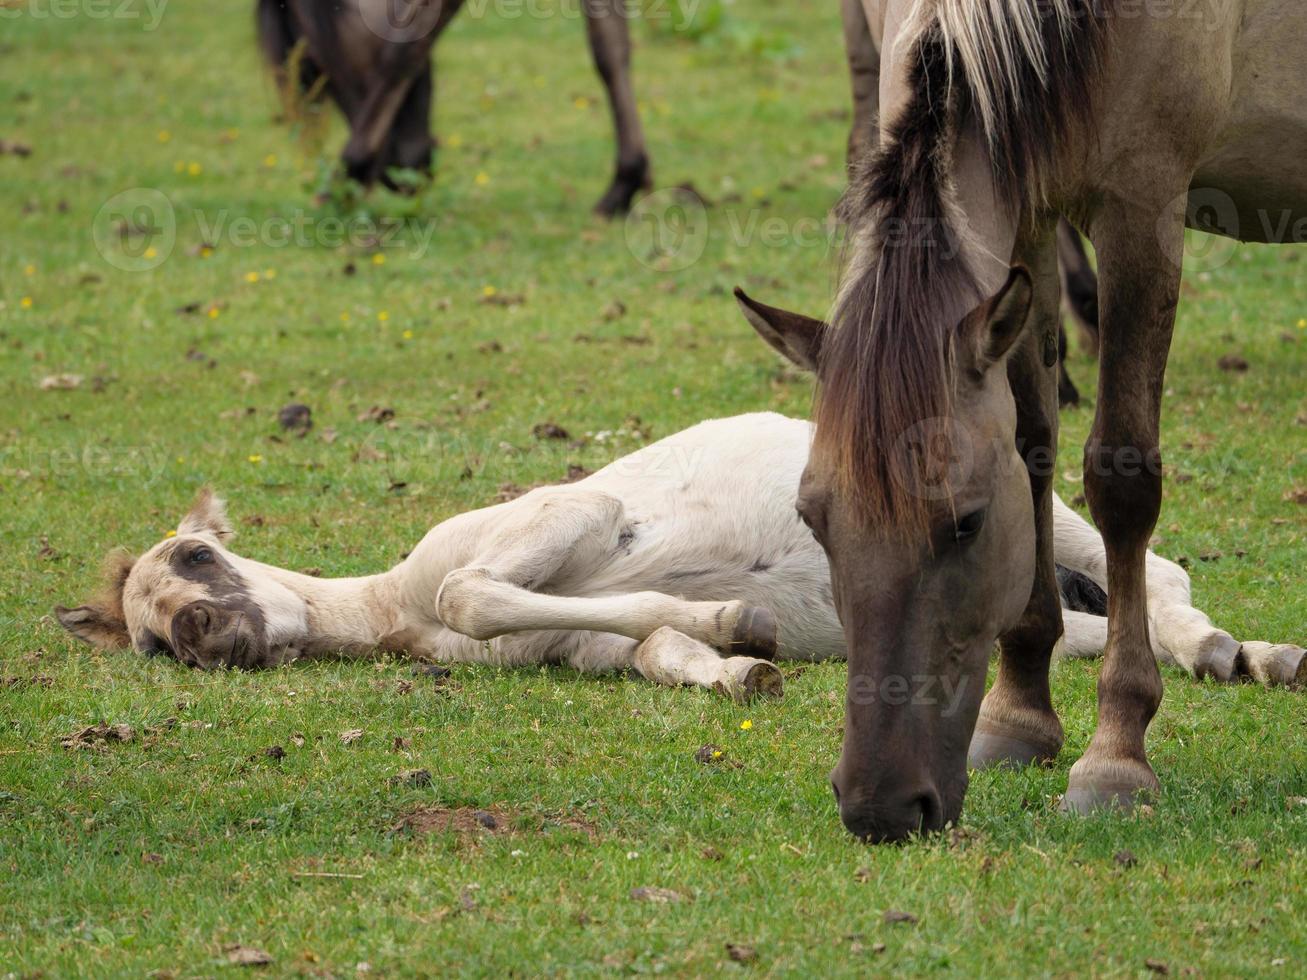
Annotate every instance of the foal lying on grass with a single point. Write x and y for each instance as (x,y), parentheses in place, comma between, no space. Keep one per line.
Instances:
(685,561)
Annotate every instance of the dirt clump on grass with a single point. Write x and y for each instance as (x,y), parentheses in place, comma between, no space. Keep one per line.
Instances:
(470,824)
(97,737)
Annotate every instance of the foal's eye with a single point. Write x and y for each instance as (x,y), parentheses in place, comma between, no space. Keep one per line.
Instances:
(969,526)
(201,556)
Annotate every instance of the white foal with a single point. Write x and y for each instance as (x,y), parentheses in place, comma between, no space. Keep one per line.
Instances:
(684,561)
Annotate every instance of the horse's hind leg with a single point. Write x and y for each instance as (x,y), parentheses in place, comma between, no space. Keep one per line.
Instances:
(581,530)
(610,44)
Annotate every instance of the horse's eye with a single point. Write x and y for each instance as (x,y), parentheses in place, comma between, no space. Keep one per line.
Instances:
(201,556)
(969,526)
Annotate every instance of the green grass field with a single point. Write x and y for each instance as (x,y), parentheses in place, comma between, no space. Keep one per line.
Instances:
(158,855)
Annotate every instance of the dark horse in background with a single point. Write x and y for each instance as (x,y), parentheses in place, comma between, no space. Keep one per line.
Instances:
(373,57)
(862,41)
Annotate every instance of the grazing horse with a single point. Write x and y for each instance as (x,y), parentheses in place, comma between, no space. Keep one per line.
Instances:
(930,477)
(684,561)
(862,41)
(374,58)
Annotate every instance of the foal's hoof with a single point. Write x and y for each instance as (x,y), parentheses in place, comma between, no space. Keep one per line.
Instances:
(1218,658)
(754,634)
(1274,664)
(993,749)
(744,678)
(1119,786)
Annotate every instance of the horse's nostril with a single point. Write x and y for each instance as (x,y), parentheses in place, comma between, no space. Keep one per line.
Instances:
(836,790)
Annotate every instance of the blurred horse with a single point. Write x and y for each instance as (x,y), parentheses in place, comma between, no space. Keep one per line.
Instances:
(374,59)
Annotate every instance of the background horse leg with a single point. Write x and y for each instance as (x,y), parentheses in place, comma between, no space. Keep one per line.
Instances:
(1017,723)
(1079,284)
(864,76)
(1140,285)
(610,44)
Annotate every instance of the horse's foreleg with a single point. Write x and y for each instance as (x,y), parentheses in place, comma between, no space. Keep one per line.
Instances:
(1017,723)
(1139,265)
(610,44)
(864,78)
(671,657)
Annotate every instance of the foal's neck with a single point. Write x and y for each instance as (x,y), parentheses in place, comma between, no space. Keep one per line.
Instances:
(344,615)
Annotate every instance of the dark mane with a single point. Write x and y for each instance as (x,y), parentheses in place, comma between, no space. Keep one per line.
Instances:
(888,365)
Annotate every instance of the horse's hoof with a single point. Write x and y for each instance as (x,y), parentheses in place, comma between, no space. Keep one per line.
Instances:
(1218,657)
(1119,786)
(1274,664)
(991,750)
(744,679)
(755,634)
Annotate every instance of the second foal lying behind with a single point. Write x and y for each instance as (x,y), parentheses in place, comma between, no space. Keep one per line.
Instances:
(684,561)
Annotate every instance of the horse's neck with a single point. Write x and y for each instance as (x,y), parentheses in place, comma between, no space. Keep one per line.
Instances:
(986,224)
(342,614)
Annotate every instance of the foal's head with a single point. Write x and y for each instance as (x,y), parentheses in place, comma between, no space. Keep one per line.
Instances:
(192,599)
(920,602)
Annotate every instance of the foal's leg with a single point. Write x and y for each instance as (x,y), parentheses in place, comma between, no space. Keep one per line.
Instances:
(676,660)
(610,44)
(1180,633)
(864,77)
(492,595)
(1017,723)
(1140,285)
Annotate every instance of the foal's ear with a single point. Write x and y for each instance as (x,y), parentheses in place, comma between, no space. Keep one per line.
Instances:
(795,336)
(1004,317)
(208,515)
(101,622)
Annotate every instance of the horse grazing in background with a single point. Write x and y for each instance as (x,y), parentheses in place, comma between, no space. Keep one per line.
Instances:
(684,561)
(930,478)
(374,58)
(862,41)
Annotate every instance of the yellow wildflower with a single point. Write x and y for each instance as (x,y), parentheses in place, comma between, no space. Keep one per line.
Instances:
(255,458)
(151,252)
(488,291)
(269,273)
(29,270)
(194,169)
(378,259)
(408,334)
(482,179)
(581,102)
(270,160)
(745,725)
(25,302)
(213,312)
(171,534)
(383,316)
(251,277)
(164,136)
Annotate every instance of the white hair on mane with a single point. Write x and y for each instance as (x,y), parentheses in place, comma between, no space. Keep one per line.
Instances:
(993,41)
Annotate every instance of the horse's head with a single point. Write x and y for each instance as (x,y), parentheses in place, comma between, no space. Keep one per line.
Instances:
(192,599)
(373,58)
(922,601)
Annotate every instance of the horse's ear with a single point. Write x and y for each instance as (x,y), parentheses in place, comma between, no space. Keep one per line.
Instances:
(795,336)
(208,515)
(101,622)
(1005,317)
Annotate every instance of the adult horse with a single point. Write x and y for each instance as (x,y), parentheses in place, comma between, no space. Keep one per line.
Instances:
(374,59)
(996,117)
(862,42)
